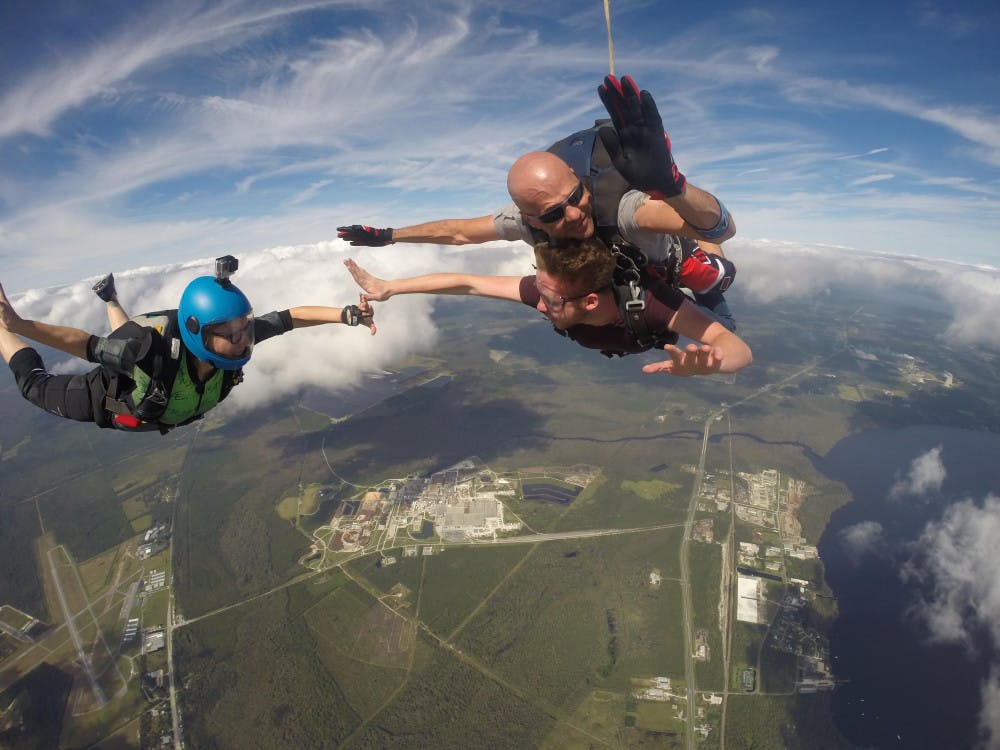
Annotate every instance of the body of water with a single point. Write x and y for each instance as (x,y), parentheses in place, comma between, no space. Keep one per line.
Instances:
(902,691)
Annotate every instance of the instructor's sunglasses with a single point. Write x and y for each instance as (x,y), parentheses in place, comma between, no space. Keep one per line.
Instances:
(554,214)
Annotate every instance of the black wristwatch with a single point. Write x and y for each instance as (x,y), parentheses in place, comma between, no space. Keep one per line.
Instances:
(350,315)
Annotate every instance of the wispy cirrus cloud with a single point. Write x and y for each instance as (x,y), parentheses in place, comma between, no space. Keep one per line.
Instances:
(137,43)
(244,115)
(872,178)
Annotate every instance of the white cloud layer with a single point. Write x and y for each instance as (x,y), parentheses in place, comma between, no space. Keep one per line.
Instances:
(957,567)
(331,357)
(926,474)
(306,274)
(769,270)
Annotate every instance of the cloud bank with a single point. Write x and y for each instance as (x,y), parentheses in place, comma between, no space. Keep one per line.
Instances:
(957,570)
(330,357)
(772,271)
(333,358)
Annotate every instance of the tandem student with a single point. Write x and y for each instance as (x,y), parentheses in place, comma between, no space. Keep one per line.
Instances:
(574,288)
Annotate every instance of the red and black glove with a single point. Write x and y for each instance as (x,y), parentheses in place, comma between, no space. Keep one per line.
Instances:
(361,236)
(637,144)
(702,272)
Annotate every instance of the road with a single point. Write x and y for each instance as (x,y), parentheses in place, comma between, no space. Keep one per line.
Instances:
(688,607)
(175,713)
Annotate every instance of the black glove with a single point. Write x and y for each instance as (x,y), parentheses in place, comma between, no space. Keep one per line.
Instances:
(361,236)
(637,144)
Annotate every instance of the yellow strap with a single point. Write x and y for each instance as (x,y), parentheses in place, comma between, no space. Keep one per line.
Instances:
(611,46)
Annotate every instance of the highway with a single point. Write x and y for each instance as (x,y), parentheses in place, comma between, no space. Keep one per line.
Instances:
(688,607)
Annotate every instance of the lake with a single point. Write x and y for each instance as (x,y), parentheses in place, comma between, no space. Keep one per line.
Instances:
(902,690)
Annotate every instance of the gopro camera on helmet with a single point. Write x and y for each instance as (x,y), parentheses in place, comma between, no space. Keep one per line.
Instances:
(225,267)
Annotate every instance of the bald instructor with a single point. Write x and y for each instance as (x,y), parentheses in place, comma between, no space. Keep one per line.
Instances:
(640,197)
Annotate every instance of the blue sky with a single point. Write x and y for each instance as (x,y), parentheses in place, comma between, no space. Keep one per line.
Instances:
(134,134)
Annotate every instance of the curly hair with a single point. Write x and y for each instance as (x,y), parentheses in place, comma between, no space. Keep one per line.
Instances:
(586,264)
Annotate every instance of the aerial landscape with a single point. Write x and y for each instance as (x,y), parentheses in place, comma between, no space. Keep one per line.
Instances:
(427,520)
(573,556)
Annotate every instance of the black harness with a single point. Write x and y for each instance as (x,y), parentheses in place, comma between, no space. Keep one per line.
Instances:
(629,286)
(161,357)
(584,152)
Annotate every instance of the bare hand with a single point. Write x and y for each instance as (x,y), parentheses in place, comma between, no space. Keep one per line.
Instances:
(694,359)
(376,289)
(367,313)
(9,319)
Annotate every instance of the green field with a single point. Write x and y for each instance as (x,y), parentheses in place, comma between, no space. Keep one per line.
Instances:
(524,645)
(706,562)
(256,671)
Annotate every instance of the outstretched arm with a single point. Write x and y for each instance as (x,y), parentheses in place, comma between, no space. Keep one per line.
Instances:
(498,287)
(721,350)
(70,340)
(640,149)
(304,317)
(444,232)
(683,214)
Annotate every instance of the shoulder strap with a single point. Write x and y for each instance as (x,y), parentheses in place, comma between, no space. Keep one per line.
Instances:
(629,286)
(585,153)
(631,299)
(161,364)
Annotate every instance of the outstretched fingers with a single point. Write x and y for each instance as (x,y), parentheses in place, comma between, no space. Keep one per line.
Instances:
(367,312)
(8,315)
(622,100)
(374,287)
(666,366)
(694,359)
(650,114)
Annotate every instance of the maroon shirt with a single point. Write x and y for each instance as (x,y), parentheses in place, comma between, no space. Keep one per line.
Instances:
(662,302)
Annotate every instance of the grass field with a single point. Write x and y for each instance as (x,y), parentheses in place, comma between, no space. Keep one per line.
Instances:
(255,671)
(533,645)
(86,517)
(706,568)
(448,703)
(458,580)
(363,643)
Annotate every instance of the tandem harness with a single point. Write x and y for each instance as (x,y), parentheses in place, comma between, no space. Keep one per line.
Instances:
(630,292)
(629,288)
(162,356)
(584,152)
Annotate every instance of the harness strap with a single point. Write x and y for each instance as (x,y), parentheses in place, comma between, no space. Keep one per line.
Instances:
(584,152)
(630,295)
(154,401)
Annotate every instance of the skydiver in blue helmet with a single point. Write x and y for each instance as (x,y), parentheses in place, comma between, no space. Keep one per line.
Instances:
(159,370)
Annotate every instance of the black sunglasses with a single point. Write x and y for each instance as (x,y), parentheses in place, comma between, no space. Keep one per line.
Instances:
(554,214)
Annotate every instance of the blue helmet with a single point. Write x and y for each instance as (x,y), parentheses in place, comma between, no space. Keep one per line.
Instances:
(205,302)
